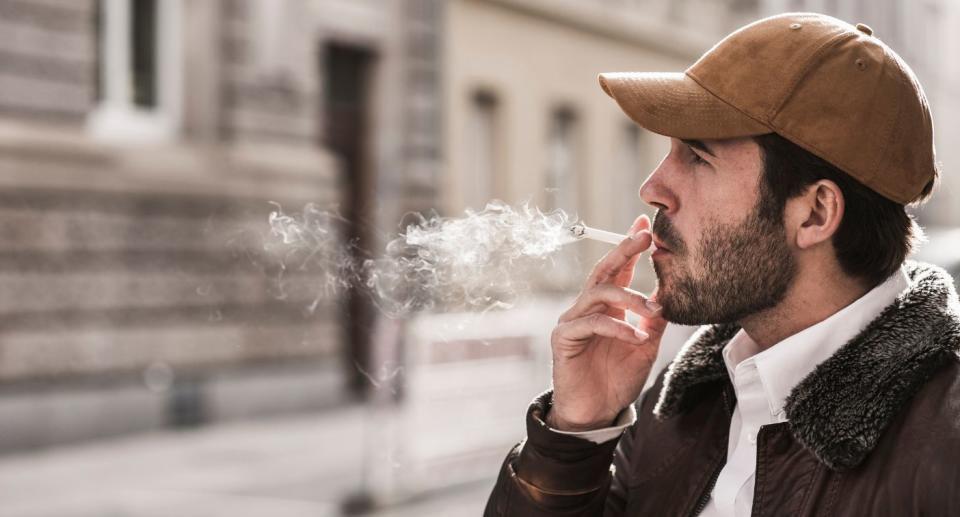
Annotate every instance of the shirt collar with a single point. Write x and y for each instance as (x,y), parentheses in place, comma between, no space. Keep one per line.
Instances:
(786,363)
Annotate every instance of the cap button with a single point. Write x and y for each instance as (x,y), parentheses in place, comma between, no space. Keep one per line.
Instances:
(864,28)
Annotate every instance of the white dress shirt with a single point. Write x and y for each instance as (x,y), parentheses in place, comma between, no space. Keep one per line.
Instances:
(762,381)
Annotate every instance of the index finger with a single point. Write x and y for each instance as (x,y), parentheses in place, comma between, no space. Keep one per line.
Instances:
(610,266)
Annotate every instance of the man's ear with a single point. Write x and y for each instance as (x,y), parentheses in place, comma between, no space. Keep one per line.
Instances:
(816,214)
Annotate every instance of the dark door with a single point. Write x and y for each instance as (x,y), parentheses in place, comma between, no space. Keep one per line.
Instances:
(347,72)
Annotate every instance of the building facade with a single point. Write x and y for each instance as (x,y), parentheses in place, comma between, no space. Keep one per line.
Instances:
(143,145)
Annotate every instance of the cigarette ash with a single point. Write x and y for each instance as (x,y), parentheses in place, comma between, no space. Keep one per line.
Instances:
(483,260)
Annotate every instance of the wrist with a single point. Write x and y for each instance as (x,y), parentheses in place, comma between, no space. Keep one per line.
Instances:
(554,462)
(555,421)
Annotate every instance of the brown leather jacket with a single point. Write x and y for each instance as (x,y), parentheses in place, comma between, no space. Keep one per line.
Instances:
(873,430)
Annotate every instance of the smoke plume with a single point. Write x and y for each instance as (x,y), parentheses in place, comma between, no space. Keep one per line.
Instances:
(482,260)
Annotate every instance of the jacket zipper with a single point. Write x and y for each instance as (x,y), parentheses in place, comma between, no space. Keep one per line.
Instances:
(705,496)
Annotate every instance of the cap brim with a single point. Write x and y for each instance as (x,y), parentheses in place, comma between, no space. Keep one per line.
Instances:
(674,105)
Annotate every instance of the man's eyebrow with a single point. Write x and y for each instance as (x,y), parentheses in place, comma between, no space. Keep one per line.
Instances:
(698,144)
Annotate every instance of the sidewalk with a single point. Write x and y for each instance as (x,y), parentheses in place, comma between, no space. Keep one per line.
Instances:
(279,468)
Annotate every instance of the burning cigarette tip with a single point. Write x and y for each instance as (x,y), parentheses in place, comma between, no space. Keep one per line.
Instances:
(578,230)
(582,231)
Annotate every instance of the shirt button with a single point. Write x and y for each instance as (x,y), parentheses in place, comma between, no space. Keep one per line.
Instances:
(752,437)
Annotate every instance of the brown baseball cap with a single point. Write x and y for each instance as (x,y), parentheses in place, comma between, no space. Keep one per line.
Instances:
(830,87)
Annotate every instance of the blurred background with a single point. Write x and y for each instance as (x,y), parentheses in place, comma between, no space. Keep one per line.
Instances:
(150,366)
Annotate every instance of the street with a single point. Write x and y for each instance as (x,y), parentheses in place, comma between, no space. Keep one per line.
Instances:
(289,467)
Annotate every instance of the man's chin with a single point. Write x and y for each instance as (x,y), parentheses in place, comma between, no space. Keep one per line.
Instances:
(676,312)
(667,301)
(681,318)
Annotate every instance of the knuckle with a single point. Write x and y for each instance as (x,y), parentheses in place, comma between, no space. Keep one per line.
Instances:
(595,319)
(591,293)
(559,334)
(602,273)
(618,296)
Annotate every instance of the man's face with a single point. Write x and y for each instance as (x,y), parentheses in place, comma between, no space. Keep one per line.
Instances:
(725,253)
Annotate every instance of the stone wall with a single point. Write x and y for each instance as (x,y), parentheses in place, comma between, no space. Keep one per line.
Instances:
(136,288)
(47,65)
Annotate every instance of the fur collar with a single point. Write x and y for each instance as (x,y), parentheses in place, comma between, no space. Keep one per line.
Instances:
(841,408)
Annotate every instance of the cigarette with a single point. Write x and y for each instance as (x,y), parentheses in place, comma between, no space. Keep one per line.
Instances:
(582,231)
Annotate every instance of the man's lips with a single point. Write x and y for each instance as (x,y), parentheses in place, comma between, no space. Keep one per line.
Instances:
(659,244)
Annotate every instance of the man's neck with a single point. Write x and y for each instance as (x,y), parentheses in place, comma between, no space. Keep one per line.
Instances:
(810,300)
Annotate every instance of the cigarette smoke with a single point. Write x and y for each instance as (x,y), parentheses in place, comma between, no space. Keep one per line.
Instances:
(483,260)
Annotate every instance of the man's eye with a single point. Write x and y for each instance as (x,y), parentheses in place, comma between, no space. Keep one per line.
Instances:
(696,159)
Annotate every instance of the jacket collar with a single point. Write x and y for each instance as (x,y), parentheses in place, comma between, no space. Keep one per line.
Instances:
(840,409)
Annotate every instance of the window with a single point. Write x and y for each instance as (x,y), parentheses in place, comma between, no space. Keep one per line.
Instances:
(560,182)
(143,52)
(562,158)
(628,176)
(483,151)
(139,54)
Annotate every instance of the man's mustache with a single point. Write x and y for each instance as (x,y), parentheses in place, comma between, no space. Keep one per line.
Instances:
(664,230)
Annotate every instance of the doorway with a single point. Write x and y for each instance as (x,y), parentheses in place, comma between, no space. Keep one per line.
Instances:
(347,74)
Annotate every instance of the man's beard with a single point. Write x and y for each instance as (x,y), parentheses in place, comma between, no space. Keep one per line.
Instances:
(743,269)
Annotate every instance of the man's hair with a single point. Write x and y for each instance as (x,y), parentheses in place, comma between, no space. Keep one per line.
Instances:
(875,235)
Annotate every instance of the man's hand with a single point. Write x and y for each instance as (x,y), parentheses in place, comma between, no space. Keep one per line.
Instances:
(601,362)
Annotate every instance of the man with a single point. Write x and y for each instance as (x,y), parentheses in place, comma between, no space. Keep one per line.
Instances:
(824,380)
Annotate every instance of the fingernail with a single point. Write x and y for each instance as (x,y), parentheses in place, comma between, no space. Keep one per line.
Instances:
(641,334)
(636,235)
(654,306)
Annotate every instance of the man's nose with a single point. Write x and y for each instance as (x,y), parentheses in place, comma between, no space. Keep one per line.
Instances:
(655,193)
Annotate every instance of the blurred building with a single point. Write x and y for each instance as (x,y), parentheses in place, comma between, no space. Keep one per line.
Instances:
(141,145)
